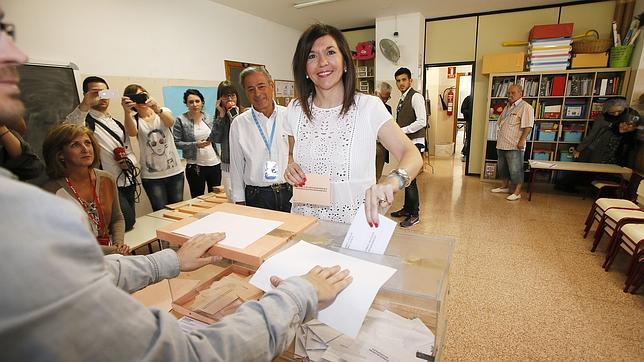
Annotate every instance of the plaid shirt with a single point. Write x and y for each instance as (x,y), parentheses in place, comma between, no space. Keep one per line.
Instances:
(513,120)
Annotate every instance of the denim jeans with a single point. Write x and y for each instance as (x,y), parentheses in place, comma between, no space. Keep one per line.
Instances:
(164,191)
(510,165)
(199,176)
(276,197)
(412,199)
(126,199)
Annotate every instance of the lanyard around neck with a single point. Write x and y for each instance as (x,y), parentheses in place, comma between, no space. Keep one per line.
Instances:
(98,221)
(267,142)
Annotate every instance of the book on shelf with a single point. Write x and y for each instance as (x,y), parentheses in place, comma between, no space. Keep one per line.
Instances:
(579,85)
(556,52)
(555,58)
(496,108)
(530,86)
(546,67)
(551,42)
(574,109)
(491,131)
(551,111)
(489,171)
(596,109)
(607,86)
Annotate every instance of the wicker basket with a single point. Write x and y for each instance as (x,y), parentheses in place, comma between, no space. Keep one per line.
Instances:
(587,45)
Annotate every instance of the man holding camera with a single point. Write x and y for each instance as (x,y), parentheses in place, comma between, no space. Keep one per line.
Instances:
(116,149)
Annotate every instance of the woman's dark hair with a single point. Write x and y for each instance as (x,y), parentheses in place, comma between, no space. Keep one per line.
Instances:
(304,87)
(194,92)
(226,88)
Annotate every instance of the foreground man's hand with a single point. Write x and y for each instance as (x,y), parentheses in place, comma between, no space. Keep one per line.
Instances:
(193,254)
(328,283)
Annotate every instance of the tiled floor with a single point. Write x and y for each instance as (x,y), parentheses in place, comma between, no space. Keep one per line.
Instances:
(523,282)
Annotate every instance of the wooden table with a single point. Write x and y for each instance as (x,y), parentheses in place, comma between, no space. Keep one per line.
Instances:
(536,166)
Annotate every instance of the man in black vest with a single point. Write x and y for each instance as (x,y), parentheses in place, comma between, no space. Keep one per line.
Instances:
(115,147)
(411,116)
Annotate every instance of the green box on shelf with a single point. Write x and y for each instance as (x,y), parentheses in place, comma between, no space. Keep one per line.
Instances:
(572,136)
(547,135)
(541,156)
(566,156)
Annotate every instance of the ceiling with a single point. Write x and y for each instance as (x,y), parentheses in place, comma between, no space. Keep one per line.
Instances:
(345,14)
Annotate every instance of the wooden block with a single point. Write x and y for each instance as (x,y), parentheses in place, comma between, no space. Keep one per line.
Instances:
(177,205)
(176,215)
(206,196)
(188,209)
(255,253)
(205,204)
(216,200)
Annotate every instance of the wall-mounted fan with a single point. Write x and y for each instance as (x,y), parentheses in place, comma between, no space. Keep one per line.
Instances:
(389,49)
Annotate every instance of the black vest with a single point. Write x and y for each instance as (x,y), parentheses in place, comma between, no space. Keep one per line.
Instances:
(407,116)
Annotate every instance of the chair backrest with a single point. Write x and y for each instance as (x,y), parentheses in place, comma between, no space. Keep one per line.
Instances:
(640,195)
(635,188)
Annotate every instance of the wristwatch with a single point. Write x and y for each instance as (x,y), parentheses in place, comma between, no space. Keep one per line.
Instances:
(403,177)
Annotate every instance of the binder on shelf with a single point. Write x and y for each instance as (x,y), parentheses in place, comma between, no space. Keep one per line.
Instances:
(550,31)
(558,85)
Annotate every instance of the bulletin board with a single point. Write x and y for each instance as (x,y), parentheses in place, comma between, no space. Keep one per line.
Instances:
(284,91)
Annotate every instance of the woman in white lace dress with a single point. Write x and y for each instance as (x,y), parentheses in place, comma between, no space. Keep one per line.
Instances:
(333,131)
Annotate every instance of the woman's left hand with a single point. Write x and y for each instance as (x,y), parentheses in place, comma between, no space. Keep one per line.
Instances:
(152,103)
(378,199)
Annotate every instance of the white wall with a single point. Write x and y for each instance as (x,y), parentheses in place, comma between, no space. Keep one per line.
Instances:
(410,40)
(168,39)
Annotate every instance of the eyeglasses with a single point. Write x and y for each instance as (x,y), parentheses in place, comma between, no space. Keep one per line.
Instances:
(8,28)
(229,96)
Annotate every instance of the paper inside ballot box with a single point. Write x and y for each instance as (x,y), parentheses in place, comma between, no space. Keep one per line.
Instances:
(219,296)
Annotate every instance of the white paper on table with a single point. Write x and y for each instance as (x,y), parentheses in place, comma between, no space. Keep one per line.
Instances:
(363,237)
(350,307)
(188,324)
(240,230)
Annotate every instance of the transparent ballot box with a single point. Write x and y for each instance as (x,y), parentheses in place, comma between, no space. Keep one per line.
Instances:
(419,287)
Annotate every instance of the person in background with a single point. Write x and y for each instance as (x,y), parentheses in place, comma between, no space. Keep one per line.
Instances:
(259,146)
(69,304)
(71,155)
(466,109)
(116,155)
(382,155)
(17,156)
(513,128)
(161,170)
(612,138)
(333,131)
(227,108)
(191,133)
(411,116)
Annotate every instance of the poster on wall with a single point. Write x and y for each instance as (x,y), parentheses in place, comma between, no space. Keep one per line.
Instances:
(173,98)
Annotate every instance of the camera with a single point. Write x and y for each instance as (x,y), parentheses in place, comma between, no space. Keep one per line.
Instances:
(119,153)
(233,112)
(140,98)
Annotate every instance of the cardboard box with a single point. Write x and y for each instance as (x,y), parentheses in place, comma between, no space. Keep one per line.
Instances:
(550,31)
(593,60)
(181,305)
(255,253)
(503,63)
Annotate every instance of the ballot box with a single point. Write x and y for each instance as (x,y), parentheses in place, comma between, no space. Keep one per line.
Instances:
(419,287)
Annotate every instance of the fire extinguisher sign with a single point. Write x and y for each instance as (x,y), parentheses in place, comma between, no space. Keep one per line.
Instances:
(451,72)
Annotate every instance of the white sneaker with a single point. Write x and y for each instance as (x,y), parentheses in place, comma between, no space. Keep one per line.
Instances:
(513,197)
(500,190)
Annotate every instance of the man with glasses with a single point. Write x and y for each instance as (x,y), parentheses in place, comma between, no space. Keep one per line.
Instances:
(64,301)
(16,154)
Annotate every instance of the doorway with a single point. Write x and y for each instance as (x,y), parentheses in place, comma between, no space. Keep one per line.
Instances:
(446,87)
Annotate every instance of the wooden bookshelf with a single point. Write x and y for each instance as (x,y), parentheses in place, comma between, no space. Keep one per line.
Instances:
(365,75)
(565,104)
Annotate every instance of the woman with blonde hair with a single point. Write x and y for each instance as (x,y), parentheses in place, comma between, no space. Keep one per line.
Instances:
(71,159)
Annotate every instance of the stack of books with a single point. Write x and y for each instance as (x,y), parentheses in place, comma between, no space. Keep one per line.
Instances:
(549,54)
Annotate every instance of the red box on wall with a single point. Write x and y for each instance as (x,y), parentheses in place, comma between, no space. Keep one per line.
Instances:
(550,31)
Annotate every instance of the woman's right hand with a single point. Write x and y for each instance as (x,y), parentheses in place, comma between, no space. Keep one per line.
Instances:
(576,154)
(294,175)
(127,103)
(221,112)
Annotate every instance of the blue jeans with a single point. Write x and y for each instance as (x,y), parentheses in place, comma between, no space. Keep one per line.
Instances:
(164,191)
(510,165)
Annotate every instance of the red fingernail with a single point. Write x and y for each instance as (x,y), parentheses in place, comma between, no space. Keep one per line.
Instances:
(376,225)
(370,225)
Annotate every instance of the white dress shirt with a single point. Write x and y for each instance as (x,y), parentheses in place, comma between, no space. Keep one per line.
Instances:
(248,153)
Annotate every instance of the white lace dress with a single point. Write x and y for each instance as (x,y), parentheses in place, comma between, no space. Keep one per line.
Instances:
(343,147)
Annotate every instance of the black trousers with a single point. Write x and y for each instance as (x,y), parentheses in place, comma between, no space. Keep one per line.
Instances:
(412,201)
(126,199)
(199,176)
(276,197)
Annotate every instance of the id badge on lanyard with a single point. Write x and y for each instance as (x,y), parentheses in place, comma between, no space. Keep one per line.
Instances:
(271,168)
